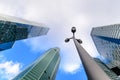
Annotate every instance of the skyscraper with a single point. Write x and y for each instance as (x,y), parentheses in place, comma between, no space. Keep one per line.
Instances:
(12,29)
(44,68)
(107,70)
(107,42)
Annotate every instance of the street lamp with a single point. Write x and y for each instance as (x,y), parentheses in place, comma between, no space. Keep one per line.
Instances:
(93,71)
(73,30)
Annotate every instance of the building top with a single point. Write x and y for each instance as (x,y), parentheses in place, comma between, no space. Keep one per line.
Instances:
(107,31)
(19,20)
(44,68)
(108,71)
(13,28)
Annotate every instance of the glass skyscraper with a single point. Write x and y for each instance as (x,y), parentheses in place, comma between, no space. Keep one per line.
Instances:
(44,68)
(107,70)
(12,29)
(107,42)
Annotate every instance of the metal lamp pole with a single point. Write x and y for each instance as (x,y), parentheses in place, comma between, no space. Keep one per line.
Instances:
(93,71)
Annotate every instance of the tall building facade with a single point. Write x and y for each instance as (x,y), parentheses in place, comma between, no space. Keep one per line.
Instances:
(107,70)
(107,42)
(13,28)
(44,68)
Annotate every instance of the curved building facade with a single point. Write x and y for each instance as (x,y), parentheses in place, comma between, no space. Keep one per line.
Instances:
(13,28)
(44,68)
(107,42)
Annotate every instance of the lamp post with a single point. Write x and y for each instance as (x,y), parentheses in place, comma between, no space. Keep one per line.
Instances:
(93,71)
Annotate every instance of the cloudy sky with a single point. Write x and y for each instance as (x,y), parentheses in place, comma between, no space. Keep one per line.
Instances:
(59,16)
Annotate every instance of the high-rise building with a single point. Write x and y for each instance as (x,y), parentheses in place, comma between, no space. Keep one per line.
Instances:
(107,42)
(107,70)
(12,29)
(44,68)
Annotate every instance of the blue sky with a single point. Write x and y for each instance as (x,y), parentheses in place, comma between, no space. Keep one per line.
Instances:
(59,16)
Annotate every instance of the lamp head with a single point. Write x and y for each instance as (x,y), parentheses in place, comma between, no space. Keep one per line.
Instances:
(73,30)
(67,40)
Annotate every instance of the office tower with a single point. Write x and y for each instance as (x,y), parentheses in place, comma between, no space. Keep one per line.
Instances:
(107,70)
(44,68)
(12,29)
(107,42)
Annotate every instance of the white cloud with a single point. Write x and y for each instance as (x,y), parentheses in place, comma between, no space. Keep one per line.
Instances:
(71,68)
(8,69)
(6,10)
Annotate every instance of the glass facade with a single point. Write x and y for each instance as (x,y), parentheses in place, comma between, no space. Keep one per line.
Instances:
(107,70)
(12,29)
(7,45)
(107,41)
(7,31)
(44,68)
